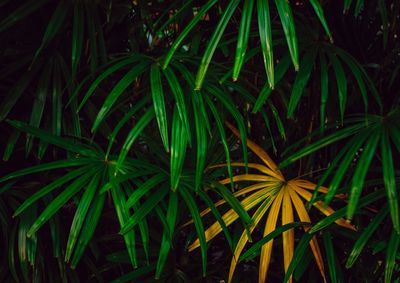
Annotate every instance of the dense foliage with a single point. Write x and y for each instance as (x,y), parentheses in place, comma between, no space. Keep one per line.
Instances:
(140,139)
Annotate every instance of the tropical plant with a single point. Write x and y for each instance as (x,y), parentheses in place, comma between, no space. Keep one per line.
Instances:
(114,116)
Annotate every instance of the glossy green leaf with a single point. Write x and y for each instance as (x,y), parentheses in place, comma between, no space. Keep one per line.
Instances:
(334,269)
(287,20)
(324,90)
(13,138)
(347,4)
(189,77)
(278,120)
(145,236)
(80,214)
(123,216)
(247,57)
(134,134)
(349,153)
(88,228)
(54,225)
(221,130)
(320,13)
(26,246)
(233,202)
(166,241)
(122,122)
(391,254)
(230,106)
(301,248)
(359,7)
(264,28)
(356,70)
(201,138)
(360,172)
(213,42)
(218,217)
(243,37)
(389,180)
(192,206)
(178,150)
(159,104)
(56,101)
(179,99)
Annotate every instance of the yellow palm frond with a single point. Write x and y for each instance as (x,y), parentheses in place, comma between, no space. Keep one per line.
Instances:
(273,197)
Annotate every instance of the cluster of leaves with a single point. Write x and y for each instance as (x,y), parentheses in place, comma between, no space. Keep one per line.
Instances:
(115,114)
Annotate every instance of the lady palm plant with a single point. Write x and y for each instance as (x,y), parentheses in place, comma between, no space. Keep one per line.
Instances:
(111,111)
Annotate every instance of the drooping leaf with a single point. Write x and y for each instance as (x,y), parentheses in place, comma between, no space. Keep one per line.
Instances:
(192,206)
(201,138)
(180,100)
(391,254)
(264,28)
(360,172)
(134,134)
(166,243)
(287,20)
(389,180)
(80,214)
(159,104)
(320,13)
(213,42)
(243,37)
(178,149)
